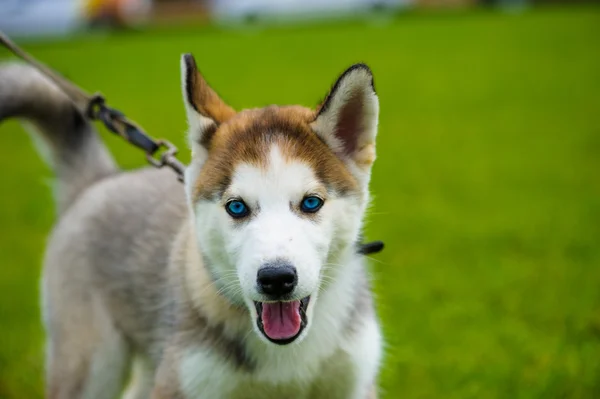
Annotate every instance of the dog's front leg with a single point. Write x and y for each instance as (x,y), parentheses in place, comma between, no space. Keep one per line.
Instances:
(190,371)
(162,393)
(166,387)
(366,356)
(166,381)
(372,393)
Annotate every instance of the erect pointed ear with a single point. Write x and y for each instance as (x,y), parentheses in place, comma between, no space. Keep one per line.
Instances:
(205,109)
(347,120)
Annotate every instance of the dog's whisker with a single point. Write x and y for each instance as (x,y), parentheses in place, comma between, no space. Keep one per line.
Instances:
(377,260)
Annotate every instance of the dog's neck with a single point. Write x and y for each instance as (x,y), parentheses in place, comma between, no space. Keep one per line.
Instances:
(199,289)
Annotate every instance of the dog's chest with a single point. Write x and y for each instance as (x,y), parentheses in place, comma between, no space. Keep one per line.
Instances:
(332,379)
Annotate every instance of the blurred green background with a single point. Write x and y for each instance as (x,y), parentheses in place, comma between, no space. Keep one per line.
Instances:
(486,188)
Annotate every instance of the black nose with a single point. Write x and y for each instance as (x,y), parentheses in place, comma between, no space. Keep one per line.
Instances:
(277,280)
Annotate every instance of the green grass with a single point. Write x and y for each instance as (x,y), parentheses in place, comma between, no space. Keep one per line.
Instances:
(487,185)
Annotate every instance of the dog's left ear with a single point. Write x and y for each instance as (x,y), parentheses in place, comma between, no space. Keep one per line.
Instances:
(347,120)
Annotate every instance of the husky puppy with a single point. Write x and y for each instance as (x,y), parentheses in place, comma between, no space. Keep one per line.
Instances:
(245,284)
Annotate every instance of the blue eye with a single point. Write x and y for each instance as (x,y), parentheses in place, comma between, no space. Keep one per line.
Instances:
(237,209)
(311,204)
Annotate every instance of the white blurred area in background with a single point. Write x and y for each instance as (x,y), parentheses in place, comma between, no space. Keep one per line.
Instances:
(39,17)
(236,9)
(60,17)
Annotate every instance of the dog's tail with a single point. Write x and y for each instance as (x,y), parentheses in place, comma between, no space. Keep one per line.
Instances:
(68,141)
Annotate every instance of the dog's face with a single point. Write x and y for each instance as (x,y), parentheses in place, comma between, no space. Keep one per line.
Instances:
(279,194)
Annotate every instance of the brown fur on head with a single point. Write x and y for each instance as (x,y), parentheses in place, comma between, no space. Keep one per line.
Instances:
(247,137)
(221,138)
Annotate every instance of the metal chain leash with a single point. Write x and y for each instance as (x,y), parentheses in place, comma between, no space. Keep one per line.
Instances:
(94,107)
(117,123)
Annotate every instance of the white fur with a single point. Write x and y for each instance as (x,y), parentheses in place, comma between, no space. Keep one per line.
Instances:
(300,362)
(321,249)
(365,352)
(204,374)
(275,231)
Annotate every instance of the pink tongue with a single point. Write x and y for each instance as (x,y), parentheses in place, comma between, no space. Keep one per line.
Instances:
(281,320)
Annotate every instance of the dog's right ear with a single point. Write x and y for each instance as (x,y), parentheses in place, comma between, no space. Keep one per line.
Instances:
(205,109)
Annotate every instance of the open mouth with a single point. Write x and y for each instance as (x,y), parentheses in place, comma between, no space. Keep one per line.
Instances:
(282,322)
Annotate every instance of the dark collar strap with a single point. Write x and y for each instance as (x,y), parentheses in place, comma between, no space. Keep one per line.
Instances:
(369,248)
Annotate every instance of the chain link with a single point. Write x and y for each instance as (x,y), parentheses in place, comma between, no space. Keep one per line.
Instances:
(116,122)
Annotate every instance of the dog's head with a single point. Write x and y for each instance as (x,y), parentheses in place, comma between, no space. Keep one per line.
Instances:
(279,194)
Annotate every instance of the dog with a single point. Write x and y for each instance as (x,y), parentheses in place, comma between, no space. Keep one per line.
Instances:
(245,282)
